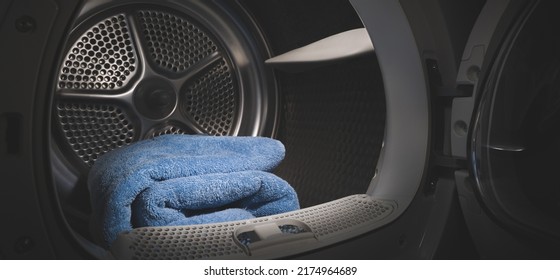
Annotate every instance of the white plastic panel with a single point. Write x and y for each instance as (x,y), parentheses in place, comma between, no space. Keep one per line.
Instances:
(320,225)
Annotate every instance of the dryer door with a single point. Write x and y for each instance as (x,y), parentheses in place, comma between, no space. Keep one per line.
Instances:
(513,66)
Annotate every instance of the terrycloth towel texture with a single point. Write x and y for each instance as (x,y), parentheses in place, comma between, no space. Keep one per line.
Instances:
(185,180)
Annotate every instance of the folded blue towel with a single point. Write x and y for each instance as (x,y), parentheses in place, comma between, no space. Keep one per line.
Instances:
(186,179)
(202,199)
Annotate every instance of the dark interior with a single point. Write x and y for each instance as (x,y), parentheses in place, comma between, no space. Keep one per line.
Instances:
(332,125)
(332,119)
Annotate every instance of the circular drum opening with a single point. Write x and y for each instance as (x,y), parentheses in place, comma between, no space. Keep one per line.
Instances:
(516,139)
(133,71)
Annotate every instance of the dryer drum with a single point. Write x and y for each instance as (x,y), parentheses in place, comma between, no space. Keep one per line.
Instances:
(136,71)
(143,73)
(131,71)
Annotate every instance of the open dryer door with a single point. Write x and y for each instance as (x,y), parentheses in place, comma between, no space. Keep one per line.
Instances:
(510,194)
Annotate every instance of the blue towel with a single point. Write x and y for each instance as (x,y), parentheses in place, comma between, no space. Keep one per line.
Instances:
(185,180)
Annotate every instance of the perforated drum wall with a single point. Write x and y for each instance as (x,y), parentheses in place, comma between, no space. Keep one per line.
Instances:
(100,99)
(174,42)
(103,58)
(94,129)
(212,100)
